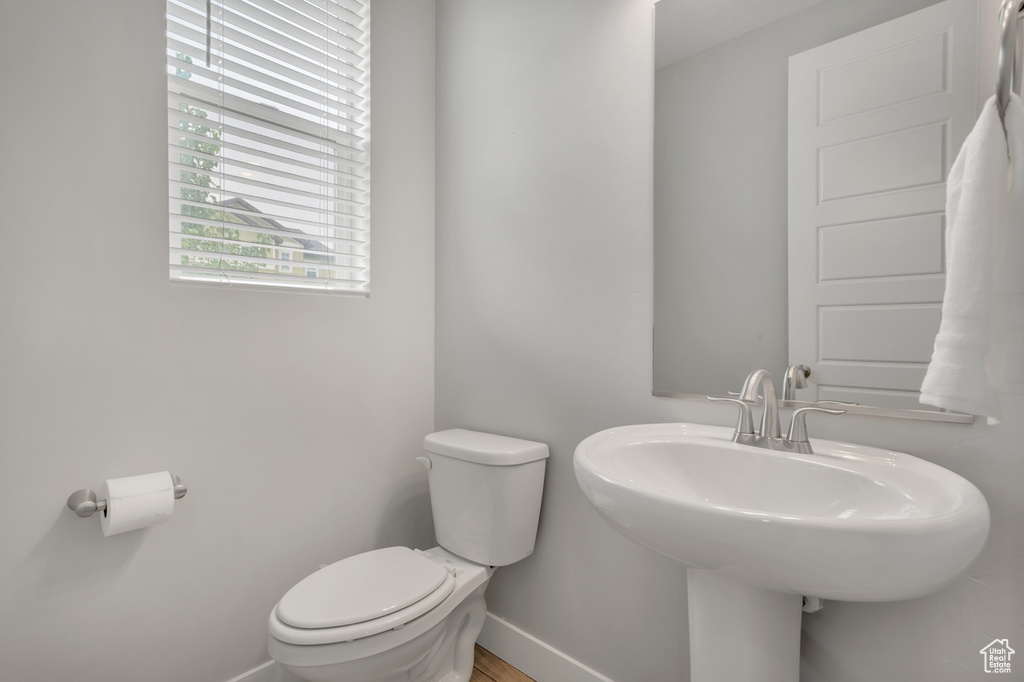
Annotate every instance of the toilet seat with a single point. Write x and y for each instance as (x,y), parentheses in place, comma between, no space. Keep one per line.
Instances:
(361,596)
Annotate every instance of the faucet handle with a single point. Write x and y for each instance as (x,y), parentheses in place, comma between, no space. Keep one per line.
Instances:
(798,427)
(745,423)
(835,402)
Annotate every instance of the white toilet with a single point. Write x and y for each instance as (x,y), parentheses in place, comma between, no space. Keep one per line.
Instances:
(403,615)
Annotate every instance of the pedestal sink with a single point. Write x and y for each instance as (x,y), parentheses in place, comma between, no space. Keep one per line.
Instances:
(759,529)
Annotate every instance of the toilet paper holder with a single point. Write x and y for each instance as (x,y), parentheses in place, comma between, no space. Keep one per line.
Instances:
(84,503)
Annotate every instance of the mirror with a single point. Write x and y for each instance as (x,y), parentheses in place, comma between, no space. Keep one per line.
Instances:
(721,215)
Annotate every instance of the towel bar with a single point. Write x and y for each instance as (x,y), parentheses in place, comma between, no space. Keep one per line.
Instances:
(1008,75)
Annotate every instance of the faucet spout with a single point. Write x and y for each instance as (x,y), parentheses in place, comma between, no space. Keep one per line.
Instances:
(760,382)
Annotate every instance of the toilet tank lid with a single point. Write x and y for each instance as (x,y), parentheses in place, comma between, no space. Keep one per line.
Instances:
(484,448)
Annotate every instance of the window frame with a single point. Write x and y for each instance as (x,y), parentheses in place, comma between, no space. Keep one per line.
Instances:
(268,164)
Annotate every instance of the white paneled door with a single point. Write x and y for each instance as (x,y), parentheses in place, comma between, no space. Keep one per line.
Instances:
(875,121)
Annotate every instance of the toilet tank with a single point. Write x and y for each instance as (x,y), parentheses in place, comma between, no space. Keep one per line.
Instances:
(485,492)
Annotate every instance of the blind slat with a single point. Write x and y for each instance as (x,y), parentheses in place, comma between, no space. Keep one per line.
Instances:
(251,191)
(326,128)
(258,261)
(309,30)
(193,43)
(186,26)
(241,171)
(315,102)
(249,32)
(260,164)
(248,130)
(298,223)
(290,23)
(221,277)
(309,223)
(177,221)
(253,253)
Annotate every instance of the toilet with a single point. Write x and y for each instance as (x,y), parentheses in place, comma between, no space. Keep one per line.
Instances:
(403,615)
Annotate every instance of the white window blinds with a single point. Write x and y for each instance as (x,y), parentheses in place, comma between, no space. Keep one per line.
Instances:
(268,140)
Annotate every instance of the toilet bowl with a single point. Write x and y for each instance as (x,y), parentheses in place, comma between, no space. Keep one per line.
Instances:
(424,640)
(403,615)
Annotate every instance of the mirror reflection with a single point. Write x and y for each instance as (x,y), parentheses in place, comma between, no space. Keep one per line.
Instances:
(727,298)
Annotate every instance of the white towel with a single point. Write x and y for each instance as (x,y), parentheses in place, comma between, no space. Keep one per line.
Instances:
(979,350)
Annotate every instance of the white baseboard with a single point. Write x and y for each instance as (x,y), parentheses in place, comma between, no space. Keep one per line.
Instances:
(525,652)
(267,672)
(517,647)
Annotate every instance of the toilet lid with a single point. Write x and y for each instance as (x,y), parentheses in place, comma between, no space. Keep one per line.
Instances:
(361,588)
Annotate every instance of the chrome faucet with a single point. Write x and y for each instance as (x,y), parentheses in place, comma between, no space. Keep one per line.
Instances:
(760,383)
(796,377)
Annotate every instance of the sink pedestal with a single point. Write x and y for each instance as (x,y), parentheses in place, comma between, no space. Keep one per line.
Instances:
(740,633)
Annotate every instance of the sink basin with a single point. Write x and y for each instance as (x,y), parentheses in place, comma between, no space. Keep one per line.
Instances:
(848,522)
(757,529)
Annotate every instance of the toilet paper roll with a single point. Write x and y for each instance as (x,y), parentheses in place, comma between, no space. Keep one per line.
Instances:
(137,502)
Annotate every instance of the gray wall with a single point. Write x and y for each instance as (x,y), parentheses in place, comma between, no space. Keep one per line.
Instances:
(544,316)
(294,419)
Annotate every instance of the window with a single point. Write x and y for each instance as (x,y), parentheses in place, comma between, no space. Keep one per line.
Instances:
(268,114)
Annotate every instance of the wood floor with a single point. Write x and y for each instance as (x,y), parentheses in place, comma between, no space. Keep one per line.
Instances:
(489,668)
